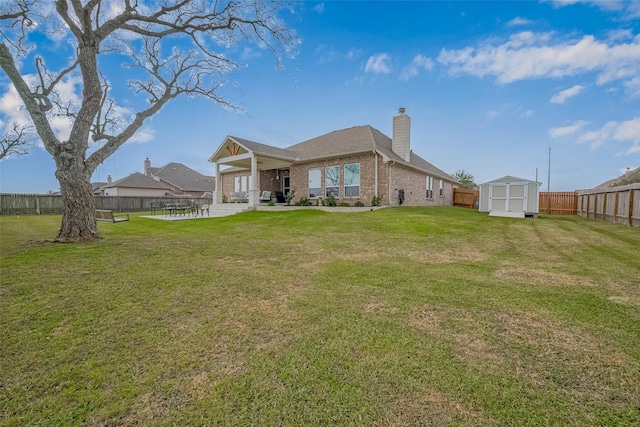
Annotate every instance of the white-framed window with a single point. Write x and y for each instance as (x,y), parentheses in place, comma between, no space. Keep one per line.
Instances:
(240,183)
(332,181)
(429,187)
(315,183)
(352,180)
(441,188)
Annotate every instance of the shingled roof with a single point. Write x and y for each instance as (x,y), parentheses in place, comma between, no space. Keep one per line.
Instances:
(138,180)
(183,177)
(630,177)
(356,140)
(265,149)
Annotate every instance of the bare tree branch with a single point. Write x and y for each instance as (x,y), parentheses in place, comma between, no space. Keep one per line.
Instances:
(16,141)
(172,48)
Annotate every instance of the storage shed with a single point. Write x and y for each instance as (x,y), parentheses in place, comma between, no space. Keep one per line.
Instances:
(510,196)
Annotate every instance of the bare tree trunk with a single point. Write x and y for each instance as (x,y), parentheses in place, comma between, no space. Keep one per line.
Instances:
(79,214)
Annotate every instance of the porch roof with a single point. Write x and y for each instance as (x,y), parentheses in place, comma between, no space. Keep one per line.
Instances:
(238,152)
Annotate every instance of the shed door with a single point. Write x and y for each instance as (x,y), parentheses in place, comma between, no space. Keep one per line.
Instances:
(517,200)
(497,197)
(508,197)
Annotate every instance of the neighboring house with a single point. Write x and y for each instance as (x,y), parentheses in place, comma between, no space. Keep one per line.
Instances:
(96,187)
(136,184)
(631,176)
(352,165)
(182,180)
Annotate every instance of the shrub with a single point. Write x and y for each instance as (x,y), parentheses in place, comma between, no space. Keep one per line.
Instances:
(271,203)
(376,200)
(290,197)
(330,201)
(224,199)
(304,202)
(344,204)
(358,204)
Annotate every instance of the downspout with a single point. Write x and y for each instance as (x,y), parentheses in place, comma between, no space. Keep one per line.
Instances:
(375,179)
(390,163)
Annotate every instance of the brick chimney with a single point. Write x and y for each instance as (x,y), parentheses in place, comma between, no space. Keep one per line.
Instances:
(401,140)
(147,167)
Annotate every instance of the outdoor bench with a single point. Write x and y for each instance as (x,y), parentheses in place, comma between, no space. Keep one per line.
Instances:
(107,215)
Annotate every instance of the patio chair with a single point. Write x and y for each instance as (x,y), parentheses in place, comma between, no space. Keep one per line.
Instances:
(204,208)
(280,197)
(265,196)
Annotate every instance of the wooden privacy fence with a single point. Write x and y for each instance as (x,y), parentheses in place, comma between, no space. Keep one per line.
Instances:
(28,204)
(466,198)
(619,205)
(558,202)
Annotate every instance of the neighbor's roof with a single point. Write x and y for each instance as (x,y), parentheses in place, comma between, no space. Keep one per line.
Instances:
(630,177)
(138,180)
(359,139)
(183,177)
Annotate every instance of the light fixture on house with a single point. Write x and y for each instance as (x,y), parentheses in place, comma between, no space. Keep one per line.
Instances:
(277,174)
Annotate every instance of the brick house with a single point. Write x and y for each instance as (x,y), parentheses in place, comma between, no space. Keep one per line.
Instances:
(353,164)
(180,179)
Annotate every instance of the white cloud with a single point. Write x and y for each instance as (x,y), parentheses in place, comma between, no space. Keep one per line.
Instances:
(612,131)
(517,21)
(492,114)
(329,54)
(603,4)
(319,8)
(562,96)
(419,62)
(12,109)
(567,130)
(144,134)
(378,64)
(528,55)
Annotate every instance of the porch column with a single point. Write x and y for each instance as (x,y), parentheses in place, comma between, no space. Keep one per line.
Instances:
(217,194)
(254,192)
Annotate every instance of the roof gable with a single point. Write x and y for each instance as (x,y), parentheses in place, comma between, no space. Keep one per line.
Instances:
(510,178)
(235,146)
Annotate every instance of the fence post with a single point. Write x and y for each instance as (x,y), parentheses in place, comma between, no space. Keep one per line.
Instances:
(631,193)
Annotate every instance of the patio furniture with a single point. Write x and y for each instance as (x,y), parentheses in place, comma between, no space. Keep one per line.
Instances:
(280,197)
(265,197)
(107,215)
(204,208)
(239,197)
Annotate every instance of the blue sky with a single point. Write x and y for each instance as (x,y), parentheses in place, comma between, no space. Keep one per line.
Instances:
(490,88)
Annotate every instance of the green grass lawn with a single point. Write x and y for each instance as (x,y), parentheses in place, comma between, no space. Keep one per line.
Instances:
(396,317)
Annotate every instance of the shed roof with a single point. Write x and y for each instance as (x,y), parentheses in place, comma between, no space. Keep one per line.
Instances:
(509,178)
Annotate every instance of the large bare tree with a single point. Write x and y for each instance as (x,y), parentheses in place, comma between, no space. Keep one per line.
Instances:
(171,48)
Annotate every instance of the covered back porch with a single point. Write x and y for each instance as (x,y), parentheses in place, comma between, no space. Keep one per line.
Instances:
(252,168)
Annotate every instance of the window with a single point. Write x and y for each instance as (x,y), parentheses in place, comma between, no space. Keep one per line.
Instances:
(429,187)
(315,186)
(352,180)
(441,189)
(332,181)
